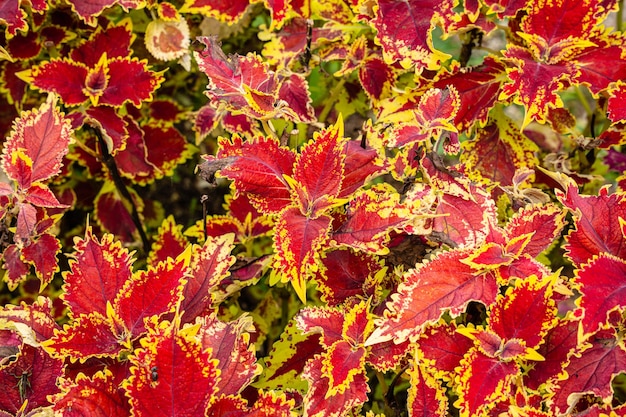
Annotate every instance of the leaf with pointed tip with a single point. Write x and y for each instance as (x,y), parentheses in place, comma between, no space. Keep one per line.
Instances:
(483,382)
(597,224)
(319,400)
(171,374)
(210,265)
(443,347)
(298,241)
(319,170)
(98,271)
(153,292)
(42,136)
(427,396)
(42,254)
(443,283)
(169,242)
(526,311)
(230,345)
(545,222)
(36,316)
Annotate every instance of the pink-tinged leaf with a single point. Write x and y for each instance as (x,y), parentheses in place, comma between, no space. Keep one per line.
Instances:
(443,347)
(427,396)
(321,401)
(526,312)
(443,283)
(371,216)
(42,254)
(295,92)
(13,17)
(168,38)
(545,222)
(404,31)
(229,12)
(153,292)
(168,243)
(98,271)
(597,224)
(590,372)
(88,335)
(16,268)
(258,171)
(465,216)
(344,273)
(99,396)
(478,89)
(40,195)
(171,374)
(230,345)
(319,170)
(209,266)
(43,136)
(602,283)
(26,223)
(483,382)
(298,241)
(558,345)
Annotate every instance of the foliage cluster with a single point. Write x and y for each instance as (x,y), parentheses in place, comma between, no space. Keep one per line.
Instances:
(411,208)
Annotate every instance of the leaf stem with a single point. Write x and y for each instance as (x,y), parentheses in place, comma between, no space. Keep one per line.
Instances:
(109,161)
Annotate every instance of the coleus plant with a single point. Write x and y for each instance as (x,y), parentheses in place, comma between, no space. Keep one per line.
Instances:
(423,215)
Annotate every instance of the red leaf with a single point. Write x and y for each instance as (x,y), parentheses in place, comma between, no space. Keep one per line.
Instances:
(42,254)
(95,397)
(597,224)
(230,345)
(372,214)
(40,195)
(319,400)
(98,271)
(31,377)
(483,382)
(16,268)
(42,136)
(259,170)
(478,89)
(295,92)
(229,12)
(360,165)
(209,266)
(168,243)
(404,31)
(130,81)
(319,170)
(602,283)
(112,214)
(88,11)
(545,222)
(37,316)
(346,273)
(113,127)
(444,347)
(444,283)
(150,293)
(63,77)
(427,396)
(617,104)
(88,335)
(590,372)
(171,374)
(298,241)
(559,342)
(525,312)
